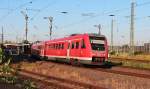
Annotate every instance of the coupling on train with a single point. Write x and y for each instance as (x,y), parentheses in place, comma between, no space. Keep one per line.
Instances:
(77,48)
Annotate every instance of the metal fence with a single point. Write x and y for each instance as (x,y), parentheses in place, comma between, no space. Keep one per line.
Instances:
(125,48)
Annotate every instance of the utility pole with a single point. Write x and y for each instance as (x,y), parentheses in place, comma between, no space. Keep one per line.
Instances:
(50,25)
(99,28)
(2,35)
(132,28)
(112,28)
(26,28)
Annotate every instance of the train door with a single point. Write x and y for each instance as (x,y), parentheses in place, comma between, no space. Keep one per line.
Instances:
(68,50)
(43,49)
(83,51)
(77,48)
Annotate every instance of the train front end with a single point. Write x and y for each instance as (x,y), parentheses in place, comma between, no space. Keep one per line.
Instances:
(99,49)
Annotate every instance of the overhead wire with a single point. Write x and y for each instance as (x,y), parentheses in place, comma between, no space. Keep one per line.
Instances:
(74,23)
(89,18)
(42,9)
(5,9)
(141,4)
(102,14)
(12,10)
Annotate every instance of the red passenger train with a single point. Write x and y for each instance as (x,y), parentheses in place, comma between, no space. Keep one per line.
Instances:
(77,48)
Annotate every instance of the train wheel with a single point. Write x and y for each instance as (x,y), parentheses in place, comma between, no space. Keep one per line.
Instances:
(45,58)
(74,62)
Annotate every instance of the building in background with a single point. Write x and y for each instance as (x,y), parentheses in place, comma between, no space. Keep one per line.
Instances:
(138,49)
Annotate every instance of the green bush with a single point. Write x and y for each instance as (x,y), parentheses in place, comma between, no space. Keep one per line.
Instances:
(137,53)
(9,79)
(27,84)
(112,53)
(9,74)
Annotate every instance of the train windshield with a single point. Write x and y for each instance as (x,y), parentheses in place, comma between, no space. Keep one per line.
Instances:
(97,43)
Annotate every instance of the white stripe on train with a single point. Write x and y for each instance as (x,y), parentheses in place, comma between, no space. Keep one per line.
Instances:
(81,58)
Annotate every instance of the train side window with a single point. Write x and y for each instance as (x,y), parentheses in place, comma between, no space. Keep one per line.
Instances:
(62,46)
(56,46)
(82,44)
(77,45)
(73,45)
(51,46)
(59,47)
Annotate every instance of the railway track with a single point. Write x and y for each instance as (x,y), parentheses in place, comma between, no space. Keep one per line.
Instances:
(62,83)
(127,71)
(59,83)
(144,69)
(122,70)
(127,59)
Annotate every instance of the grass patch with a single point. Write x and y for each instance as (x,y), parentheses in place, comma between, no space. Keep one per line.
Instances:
(134,57)
(9,75)
(133,64)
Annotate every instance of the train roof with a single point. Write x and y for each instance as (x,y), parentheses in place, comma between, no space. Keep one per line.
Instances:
(97,35)
(70,37)
(90,34)
(76,36)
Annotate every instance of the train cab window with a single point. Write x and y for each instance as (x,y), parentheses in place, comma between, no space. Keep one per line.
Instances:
(97,43)
(77,45)
(73,45)
(82,44)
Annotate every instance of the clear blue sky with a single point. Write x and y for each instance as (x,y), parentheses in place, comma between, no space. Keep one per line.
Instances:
(97,12)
